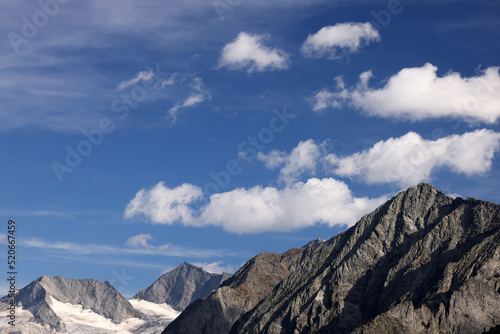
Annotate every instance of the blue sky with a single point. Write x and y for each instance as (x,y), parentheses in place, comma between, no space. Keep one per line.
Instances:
(209,132)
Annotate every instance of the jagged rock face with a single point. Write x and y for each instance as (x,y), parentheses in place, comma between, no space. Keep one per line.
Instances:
(181,286)
(101,298)
(239,294)
(421,263)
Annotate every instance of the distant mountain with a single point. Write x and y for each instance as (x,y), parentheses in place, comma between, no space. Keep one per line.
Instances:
(239,294)
(181,286)
(101,298)
(56,304)
(421,263)
(314,242)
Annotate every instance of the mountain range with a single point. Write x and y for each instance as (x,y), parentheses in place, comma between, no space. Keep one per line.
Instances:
(57,304)
(423,262)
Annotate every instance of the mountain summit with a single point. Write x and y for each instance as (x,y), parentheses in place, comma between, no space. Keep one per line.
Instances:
(181,286)
(101,298)
(423,262)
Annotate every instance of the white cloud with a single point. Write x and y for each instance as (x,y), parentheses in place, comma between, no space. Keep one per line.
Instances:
(198,95)
(418,93)
(302,159)
(134,248)
(163,205)
(142,76)
(410,159)
(299,205)
(332,41)
(3,239)
(149,79)
(142,241)
(406,161)
(215,267)
(260,209)
(246,51)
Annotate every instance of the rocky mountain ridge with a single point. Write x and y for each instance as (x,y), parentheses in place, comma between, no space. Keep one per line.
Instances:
(423,262)
(239,294)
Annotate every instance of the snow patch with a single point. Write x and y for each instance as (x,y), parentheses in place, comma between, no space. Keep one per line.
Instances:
(77,319)
(163,311)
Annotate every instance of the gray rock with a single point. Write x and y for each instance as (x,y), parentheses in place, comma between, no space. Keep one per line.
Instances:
(421,263)
(101,298)
(314,242)
(239,294)
(181,286)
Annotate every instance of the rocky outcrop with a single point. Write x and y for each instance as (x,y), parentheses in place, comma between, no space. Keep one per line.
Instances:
(239,294)
(421,263)
(181,286)
(101,298)
(314,242)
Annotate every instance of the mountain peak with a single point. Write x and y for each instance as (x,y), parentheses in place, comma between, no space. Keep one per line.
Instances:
(181,286)
(422,259)
(101,298)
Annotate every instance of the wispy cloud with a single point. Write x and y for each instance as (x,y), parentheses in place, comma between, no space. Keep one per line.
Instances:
(94,249)
(142,76)
(197,95)
(53,213)
(142,241)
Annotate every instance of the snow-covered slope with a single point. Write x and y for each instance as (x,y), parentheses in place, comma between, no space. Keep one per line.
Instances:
(61,305)
(77,320)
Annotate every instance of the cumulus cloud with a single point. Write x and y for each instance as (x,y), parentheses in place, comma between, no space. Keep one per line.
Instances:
(246,51)
(302,159)
(410,159)
(142,241)
(215,267)
(299,205)
(163,205)
(260,209)
(419,93)
(333,41)
(405,161)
